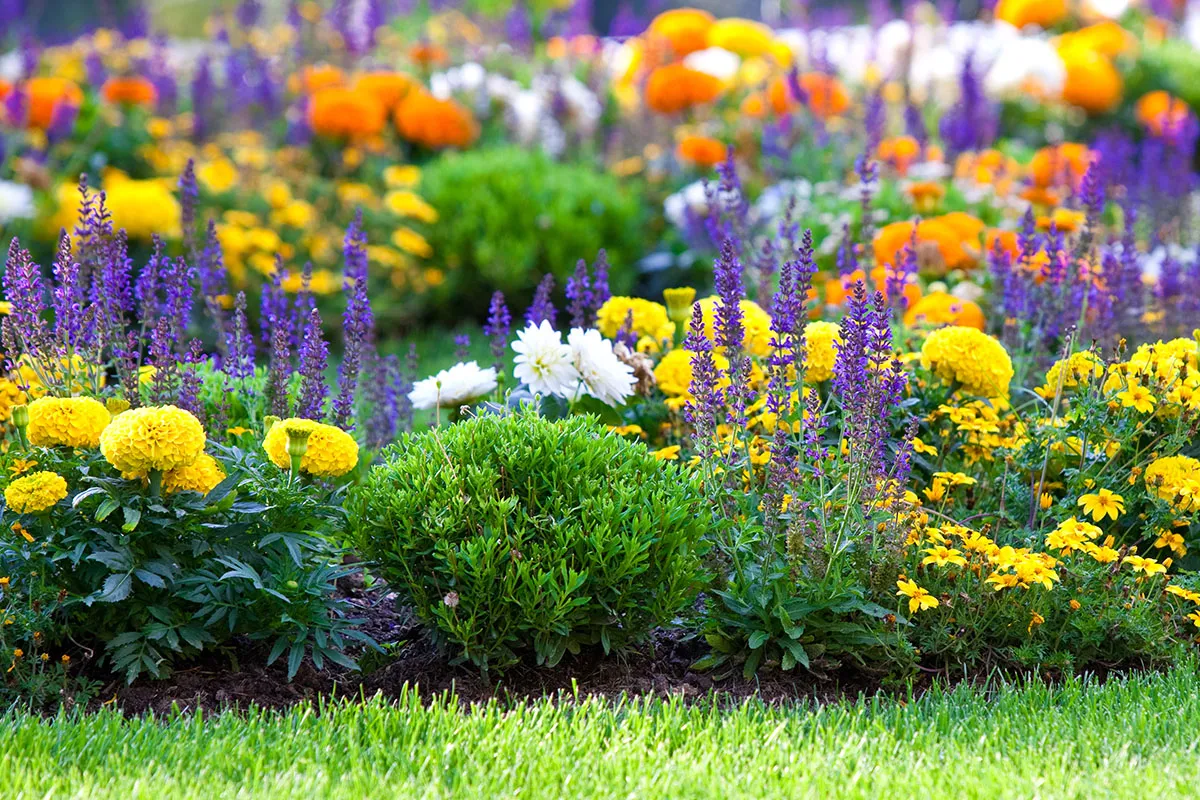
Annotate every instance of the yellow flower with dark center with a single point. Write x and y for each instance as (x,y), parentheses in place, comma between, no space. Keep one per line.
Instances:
(35,492)
(1102,504)
(331,452)
(918,598)
(1138,398)
(1146,566)
(943,556)
(67,421)
(161,438)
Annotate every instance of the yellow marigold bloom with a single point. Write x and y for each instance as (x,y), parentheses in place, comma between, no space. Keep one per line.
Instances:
(968,358)
(1078,370)
(745,37)
(143,207)
(411,242)
(1101,553)
(1186,594)
(402,175)
(404,203)
(918,598)
(1168,476)
(1138,398)
(820,340)
(1044,13)
(649,318)
(202,476)
(142,440)
(67,421)
(1102,504)
(35,492)
(755,321)
(919,446)
(667,453)
(10,395)
(1147,566)
(943,556)
(331,451)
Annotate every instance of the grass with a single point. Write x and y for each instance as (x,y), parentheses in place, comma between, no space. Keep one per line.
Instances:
(1131,737)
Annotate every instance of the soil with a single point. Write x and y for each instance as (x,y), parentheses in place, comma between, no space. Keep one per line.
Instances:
(237,678)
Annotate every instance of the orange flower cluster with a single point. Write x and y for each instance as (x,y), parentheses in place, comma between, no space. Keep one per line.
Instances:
(346,114)
(703,151)
(44,96)
(674,88)
(129,91)
(429,122)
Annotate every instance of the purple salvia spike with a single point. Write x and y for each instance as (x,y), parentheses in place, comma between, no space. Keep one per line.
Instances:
(498,327)
(314,360)
(579,293)
(542,307)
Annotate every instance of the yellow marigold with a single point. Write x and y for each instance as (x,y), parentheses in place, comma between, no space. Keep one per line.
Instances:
(1044,13)
(745,37)
(820,339)
(755,321)
(649,318)
(35,492)
(331,451)
(405,203)
(67,421)
(153,438)
(1166,476)
(10,395)
(1078,370)
(970,358)
(202,476)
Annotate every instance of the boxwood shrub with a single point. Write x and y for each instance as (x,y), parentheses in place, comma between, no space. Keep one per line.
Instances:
(513,534)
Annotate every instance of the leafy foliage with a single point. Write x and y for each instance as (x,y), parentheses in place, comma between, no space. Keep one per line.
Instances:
(511,533)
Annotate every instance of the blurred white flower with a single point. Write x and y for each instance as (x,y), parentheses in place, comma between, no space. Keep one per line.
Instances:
(543,362)
(1024,66)
(715,61)
(694,197)
(601,374)
(451,388)
(16,201)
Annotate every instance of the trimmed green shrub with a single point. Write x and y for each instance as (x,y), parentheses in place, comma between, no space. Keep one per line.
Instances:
(514,533)
(507,216)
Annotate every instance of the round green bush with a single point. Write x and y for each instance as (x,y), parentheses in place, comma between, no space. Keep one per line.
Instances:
(512,533)
(508,216)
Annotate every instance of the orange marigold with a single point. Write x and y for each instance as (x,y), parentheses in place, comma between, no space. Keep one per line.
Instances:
(942,308)
(675,88)
(1065,164)
(129,91)
(823,94)
(703,151)
(316,77)
(345,113)
(1044,13)
(899,152)
(686,29)
(942,244)
(1092,83)
(1158,111)
(389,88)
(427,54)
(427,121)
(44,95)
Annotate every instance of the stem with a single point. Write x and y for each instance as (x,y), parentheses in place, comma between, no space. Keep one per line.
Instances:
(156,483)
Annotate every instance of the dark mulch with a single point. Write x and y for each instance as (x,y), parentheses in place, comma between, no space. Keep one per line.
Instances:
(236,677)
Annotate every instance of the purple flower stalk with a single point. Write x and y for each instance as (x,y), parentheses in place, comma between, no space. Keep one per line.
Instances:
(579,295)
(357,321)
(498,327)
(542,307)
(314,361)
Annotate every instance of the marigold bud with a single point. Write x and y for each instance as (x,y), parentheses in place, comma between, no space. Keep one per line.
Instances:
(20,416)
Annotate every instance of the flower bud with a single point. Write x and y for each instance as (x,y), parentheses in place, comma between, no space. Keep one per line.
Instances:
(679,303)
(269,421)
(297,441)
(116,405)
(20,416)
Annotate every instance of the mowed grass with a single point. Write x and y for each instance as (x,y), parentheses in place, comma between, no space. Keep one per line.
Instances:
(1133,737)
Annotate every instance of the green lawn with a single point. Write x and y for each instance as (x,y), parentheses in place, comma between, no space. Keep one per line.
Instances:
(1132,737)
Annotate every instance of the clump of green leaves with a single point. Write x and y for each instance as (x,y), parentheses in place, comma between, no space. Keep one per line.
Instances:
(511,533)
(508,216)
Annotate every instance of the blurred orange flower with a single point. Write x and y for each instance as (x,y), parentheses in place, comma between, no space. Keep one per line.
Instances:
(686,29)
(432,123)
(130,91)
(675,88)
(346,114)
(703,151)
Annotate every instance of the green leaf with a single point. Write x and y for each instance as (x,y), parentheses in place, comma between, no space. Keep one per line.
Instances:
(752,663)
(758,639)
(106,508)
(116,588)
(796,651)
(597,408)
(132,517)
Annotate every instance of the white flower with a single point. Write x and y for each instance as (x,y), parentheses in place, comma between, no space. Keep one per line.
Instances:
(601,374)
(451,388)
(16,201)
(715,61)
(694,198)
(543,362)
